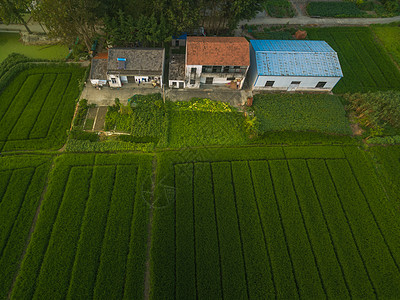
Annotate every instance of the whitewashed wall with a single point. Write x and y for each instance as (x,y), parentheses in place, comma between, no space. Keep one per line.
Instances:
(170,84)
(98,82)
(283,82)
(198,75)
(117,79)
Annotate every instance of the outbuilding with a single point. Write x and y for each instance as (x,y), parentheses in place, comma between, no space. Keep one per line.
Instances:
(293,65)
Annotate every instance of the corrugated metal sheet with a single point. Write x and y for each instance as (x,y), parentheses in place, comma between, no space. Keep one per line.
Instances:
(296,58)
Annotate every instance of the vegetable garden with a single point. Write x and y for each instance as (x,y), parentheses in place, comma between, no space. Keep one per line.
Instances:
(365,64)
(308,222)
(37,105)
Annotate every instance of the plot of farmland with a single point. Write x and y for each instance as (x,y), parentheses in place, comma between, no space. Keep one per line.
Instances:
(21,184)
(365,64)
(36,108)
(285,222)
(90,237)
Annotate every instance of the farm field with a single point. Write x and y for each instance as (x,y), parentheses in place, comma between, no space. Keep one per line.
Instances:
(291,222)
(9,43)
(365,64)
(21,184)
(37,106)
(390,38)
(298,112)
(90,236)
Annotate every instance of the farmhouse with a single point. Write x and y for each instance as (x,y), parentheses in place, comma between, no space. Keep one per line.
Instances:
(216,61)
(128,65)
(176,73)
(293,65)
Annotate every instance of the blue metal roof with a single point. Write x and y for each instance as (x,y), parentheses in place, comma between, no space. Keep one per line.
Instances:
(183,36)
(296,58)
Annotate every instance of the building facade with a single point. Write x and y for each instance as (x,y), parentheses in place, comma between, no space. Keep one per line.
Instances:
(293,65)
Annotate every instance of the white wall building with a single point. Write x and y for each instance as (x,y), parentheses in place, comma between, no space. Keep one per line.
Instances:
(217,61)
(293,65)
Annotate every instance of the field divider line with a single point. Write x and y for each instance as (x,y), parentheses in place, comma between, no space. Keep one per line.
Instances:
(35,218)
(240,232)
(284,231)
(263,231)
(147,275)
(351,231)
(216,225)
(95,119)
(41,106)
(328,229)
(19,211)
(194,235)
(305,228)
(8,182)
(22,112)
(374,217)
(96,277)
(80,233)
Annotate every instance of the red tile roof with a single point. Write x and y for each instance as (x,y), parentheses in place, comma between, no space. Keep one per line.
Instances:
(217,51)
(103,55)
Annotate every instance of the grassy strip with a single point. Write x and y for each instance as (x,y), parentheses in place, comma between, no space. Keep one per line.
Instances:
(232,264)
(369,238)
(28,117)
(13,200)
(9,93)
(257,265)
(91,238)
(57,262)
(282,268)
(18,105)
(324,252)
(206,240)
(185,235)
(10,258)
(314,152)
(342,237)
(309,283)
(111,273)
(4,179)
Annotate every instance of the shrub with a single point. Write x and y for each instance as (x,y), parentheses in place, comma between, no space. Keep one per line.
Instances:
(83,135)
(334,9)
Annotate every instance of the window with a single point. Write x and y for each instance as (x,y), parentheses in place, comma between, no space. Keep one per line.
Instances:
(192,81)
(217,69)
(269,83)
(295,82)
(226,69)
(173,83)
(209,80)
(230,78)
(113,80)
(320,84)
(193,71)
(207,69)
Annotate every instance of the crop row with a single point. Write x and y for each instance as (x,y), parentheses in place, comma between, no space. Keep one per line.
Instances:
(20,189)
(90,236)
(365,65)
(291,228)
(37,106)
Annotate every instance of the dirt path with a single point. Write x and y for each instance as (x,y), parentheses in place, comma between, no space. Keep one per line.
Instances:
(149,231)
(28,240)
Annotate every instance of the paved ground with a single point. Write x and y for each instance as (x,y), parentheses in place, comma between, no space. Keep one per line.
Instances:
(106,95)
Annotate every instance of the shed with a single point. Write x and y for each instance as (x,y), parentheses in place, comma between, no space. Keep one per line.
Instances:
(293,65)
(176,73)
(98,70)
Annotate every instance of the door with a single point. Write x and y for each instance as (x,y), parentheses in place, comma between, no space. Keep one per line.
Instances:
(209,80)
(131,79)
(181,85)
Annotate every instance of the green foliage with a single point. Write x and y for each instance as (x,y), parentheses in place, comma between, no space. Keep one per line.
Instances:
(78,145)
(365,64)
(389,35)
(199,104)
(375,110)
(322,113)
(37,106)
(334,9)
(22,180)
(81,114)
(384,140)
(78,134)
(96,200)
(279,8)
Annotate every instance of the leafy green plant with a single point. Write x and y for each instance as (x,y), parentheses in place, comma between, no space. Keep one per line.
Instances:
(334,9)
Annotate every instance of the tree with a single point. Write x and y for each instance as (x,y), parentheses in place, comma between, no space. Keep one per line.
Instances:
(13,10)
(69,19)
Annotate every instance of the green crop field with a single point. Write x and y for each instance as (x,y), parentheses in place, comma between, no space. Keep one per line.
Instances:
(292,222)
(37,106)
(21,184)
(390,38)
(365,64)
(90,236)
